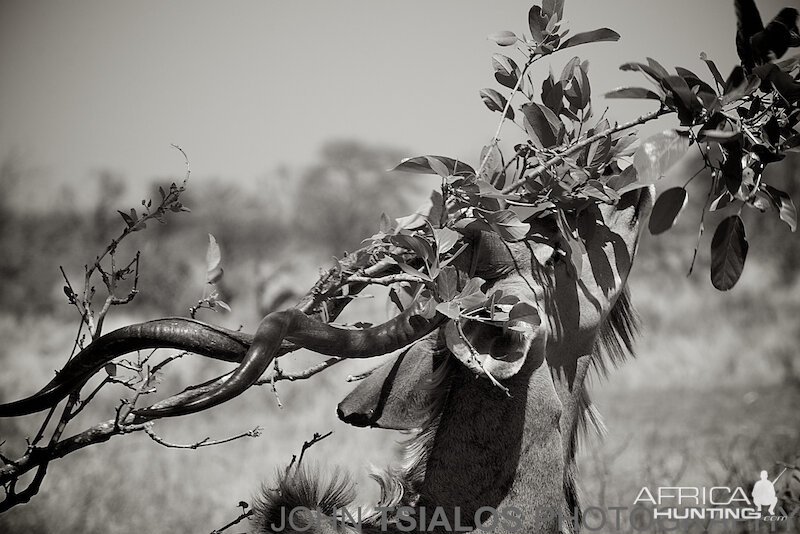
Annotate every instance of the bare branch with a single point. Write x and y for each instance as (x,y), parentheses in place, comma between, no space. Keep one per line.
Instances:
(302,375)
(37,456)
(242,517)
(206,442)
(316,438)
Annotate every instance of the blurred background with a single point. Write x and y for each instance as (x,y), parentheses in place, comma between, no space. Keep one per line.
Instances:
(290,114)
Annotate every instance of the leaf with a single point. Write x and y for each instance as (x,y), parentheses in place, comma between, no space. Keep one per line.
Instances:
(553,7)
(438,167)
(537,22)
(449,309)
(428,303)
(685,100)
(732,166)
(506,224)
(471,296)
(127,218)
(786,209)
(409,222)
(553,94)
(633,92)
(667,209)
(771,130)
(728,253)
(720,202)
(446,239)
(582,87)
(714,70)
(659,153)
(738,88)
(447,283)
(385,224)
(599,152)
(213,259)
(506,71)
(656,66)
(421,165)
(222,304)
(213,254)
(542,124)
(111,369)
(504,38)
(594,36)
(473,286)
(496,102)
(641,67)
(493,165)
(568,72)
(417,244)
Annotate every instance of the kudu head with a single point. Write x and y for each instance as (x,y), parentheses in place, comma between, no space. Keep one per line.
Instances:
(505,438)
(572,311)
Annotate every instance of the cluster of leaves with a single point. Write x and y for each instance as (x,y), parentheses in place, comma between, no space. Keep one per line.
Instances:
(739,126)
(106,264)
(169,202)
(572,161)
(428,276)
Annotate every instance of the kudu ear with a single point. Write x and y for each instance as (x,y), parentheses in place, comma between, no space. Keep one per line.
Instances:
(398,395)
(612,245)
(578,308)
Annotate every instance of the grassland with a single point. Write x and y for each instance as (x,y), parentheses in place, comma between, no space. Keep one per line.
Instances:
(711,398)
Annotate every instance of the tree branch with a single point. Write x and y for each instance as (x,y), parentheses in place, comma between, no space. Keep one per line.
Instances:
(558,158)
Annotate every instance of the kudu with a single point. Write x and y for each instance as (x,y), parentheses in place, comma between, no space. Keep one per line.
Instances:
(499,432)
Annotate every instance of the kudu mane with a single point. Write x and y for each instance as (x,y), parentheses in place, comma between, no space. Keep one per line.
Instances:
(400,484)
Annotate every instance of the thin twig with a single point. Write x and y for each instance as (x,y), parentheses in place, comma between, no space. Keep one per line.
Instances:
(316,438)
(502,121)
(242,517)
(302,375)
(206,442)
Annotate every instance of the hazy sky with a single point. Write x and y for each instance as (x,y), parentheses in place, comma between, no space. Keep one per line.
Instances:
(244,87)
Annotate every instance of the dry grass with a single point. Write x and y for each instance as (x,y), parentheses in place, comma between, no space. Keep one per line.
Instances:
(720,408)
